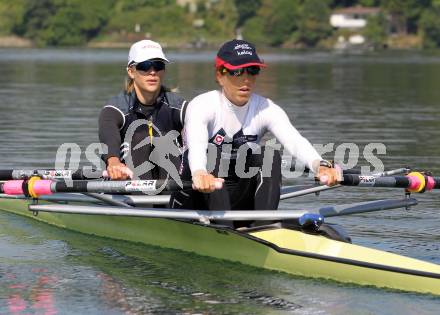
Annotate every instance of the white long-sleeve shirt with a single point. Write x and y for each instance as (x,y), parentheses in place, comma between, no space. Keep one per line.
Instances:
(212,116)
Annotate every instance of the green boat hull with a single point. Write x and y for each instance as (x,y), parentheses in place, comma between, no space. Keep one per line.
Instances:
(278,249)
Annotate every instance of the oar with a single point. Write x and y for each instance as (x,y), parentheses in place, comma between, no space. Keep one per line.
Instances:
(80,174)
(413,182)
(132,200)
(35,187)
(235,215)
(94,174)
(296,191)
(53,174)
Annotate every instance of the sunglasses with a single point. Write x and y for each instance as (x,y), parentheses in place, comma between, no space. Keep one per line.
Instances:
(146,65)
(252,70)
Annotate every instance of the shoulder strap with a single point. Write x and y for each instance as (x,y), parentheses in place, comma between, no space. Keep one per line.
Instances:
(183,112)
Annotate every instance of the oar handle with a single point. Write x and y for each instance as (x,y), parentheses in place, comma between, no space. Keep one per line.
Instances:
(413,182)
(35,187)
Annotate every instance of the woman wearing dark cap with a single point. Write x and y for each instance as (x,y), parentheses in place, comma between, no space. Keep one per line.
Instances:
(132,123)
(233,117)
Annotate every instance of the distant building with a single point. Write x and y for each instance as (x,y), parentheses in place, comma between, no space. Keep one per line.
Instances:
(191,4)
(352,18)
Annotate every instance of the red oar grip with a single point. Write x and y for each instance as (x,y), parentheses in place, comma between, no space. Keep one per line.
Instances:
(13,187)
(33,187)
(430,183)
(42,187)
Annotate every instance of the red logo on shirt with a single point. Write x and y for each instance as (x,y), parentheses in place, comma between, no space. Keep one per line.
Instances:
(218,139)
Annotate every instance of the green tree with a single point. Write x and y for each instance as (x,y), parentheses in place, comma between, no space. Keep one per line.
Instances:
(430,27)
(11,15)
(343,3)
(406,13)
(168,21)
(35,18)
(253,30)
(376,30)
(220,21)
(75,22)
(246,9)
(314,22)
(63,22)
(370,3)
(133,5)
(352,3)
(279,20)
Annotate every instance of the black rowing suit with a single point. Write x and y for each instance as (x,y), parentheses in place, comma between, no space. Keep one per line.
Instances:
(131,132)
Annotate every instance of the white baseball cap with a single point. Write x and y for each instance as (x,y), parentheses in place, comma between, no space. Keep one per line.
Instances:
(145,50)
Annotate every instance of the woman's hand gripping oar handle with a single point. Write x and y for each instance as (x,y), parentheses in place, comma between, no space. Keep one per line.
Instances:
(330,176)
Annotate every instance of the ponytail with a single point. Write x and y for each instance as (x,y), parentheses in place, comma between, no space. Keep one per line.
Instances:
(129,85)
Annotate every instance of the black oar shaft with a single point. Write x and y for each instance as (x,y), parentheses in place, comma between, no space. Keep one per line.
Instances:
(35,187)
(6,175)
(51,174)
(118,186)
(387,181)
(371,181)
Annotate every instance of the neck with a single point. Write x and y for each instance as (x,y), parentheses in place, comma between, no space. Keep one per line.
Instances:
(146,98)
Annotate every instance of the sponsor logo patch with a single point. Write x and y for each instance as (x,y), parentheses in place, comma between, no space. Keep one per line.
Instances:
(140,185)
(57,174)
(218,140)
(367,180)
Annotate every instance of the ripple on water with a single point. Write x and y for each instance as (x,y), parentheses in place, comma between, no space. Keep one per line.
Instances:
(330,98)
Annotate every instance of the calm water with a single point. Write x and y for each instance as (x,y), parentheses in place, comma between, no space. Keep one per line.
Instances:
(49,97)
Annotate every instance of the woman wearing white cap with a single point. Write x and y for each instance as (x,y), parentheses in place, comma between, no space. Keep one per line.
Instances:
(233,118)
(130,122)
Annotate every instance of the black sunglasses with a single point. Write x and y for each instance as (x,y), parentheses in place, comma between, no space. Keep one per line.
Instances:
(146,65)
(252,70)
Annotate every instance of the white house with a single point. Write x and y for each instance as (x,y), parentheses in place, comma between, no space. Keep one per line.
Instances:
(352,18)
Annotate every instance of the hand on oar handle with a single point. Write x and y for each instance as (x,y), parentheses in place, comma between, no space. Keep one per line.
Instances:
(205,182)
(330,176)
(117,170)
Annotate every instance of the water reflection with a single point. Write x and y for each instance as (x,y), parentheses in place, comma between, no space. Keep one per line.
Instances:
(49,97)
(99,276)
(31,297)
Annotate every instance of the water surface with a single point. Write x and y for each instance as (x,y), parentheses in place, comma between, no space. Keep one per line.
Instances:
(50,97)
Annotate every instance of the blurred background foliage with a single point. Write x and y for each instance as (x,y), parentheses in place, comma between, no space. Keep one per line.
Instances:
(286,23)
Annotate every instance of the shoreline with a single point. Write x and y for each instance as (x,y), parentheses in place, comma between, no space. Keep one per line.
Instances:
(406,43)
(15,42)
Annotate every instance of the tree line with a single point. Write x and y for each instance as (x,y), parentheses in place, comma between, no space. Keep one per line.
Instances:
(291,23)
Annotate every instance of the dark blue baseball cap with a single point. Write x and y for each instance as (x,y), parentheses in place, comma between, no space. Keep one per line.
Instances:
(237,54)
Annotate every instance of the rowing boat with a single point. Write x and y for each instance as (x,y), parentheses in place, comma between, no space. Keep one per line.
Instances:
(282,246)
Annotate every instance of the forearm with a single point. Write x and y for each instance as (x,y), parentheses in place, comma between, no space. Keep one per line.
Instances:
(196,133)
(298,146)
(109,123)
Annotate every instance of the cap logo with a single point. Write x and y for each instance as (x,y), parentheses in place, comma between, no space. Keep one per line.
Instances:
(243,49)
(150,46)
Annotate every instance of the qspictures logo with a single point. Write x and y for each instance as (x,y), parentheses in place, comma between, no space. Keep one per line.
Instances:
(346,155)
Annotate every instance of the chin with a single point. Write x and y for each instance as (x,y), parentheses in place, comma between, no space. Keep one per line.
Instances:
(152,89)
(242,100)
(245,97)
